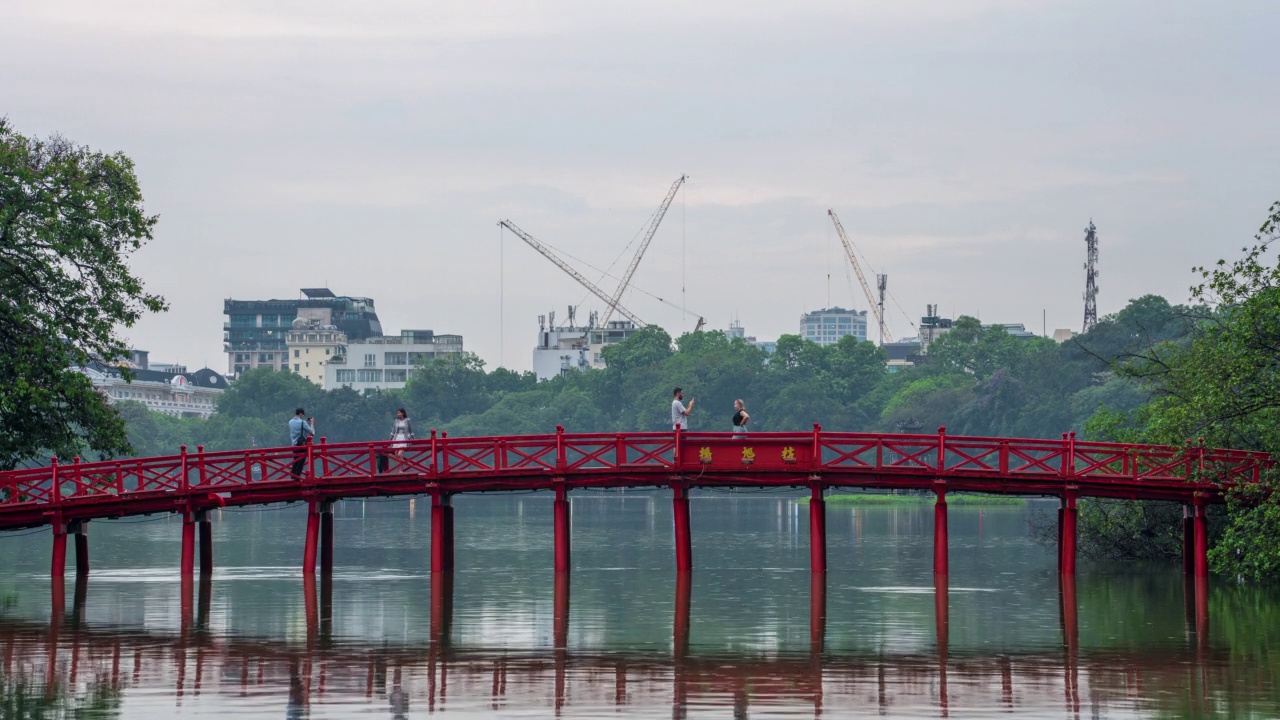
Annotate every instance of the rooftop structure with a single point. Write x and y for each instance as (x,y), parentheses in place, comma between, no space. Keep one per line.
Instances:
(827,326)
(256,331)
(385,362)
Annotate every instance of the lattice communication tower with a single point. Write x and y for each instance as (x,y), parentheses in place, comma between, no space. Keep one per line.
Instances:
(1091,277)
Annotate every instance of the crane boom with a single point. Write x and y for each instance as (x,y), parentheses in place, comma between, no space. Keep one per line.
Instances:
(635,261)
(876,309)
(548,254)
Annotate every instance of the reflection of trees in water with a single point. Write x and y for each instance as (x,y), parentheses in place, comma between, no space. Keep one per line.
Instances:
(32,697)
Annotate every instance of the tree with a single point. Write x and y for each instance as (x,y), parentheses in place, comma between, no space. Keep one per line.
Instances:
(70,217)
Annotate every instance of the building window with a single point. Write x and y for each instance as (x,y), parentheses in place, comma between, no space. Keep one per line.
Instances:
(397,376)
(370,360)
(421,358)
(306,364)
(395,358)
(326,351)
(295,353)
(371,376)
(346,376)
(296,368)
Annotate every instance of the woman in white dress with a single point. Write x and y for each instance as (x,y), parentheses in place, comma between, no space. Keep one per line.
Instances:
(401,433)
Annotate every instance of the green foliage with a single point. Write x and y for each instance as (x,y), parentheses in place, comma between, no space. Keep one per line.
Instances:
(69,219)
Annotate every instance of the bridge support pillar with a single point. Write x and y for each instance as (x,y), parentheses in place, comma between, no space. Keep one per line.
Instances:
(188,544)
(1067,537)
(312,539)
(684,544)
(58,565)
(82,547)
(817,531)
(1188,542)
(326,537)
(940,531)
(561,511)
(206,544)
(441,533)
(1201,542)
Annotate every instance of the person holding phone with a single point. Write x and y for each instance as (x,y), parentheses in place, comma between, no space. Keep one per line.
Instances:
(299,431)
(680,413)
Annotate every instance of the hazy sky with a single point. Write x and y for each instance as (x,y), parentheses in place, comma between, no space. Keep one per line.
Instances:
(372,147)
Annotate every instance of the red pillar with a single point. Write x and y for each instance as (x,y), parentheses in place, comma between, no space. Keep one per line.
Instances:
(1067,544)
(58,567)
(206,546)
(680,625)
(441,533)
(940,532)
(312,539)
(82,549)
(188,544)
(1188,542)
(817,532)
(561,510)
(1201,544)
(326,538)
(684,545)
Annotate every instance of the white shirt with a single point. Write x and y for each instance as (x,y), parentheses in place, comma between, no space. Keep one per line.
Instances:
(679,416)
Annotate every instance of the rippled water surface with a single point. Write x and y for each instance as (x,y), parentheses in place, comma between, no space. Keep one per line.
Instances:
(749,634)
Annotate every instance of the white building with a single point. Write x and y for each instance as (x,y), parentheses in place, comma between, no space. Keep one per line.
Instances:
(560,350)
(827,326)
(311,345)
(182,394)
(384,363)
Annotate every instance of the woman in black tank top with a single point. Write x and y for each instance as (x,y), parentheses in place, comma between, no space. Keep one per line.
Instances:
(740,418)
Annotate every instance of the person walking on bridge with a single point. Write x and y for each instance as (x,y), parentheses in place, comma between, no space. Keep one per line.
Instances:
(299,430)
(680,413)
(401,433)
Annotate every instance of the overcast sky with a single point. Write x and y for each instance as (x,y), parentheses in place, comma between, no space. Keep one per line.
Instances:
(372,148)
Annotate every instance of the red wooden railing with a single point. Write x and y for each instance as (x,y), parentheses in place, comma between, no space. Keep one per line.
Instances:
(1005,465)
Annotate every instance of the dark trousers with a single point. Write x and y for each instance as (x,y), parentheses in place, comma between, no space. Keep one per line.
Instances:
(299,459)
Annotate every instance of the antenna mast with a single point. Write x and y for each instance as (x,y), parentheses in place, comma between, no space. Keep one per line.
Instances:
(1091,277)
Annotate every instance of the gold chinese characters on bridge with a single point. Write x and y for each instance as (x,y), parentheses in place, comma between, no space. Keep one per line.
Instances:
(789,455)
(748,455)
(704,454)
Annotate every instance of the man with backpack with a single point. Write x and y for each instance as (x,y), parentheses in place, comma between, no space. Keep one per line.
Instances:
(299,431)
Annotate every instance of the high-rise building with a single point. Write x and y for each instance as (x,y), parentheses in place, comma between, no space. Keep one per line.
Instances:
(384,363)
(311,346)
(256,331)
(827,326)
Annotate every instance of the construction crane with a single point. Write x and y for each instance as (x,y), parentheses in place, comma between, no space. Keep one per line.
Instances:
(548,254)
(612,304)
(877,309)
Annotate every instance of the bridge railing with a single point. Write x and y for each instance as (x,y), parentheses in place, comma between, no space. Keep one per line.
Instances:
(441,458)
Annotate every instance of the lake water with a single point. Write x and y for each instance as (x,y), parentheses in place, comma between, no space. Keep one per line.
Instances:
(748,635)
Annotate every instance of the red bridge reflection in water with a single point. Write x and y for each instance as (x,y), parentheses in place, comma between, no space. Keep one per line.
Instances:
(67,497)
(68,653)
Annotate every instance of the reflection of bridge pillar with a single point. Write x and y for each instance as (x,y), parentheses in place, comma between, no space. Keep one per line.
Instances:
(940,530)
(817,612)
(680,624)
(188,543)
(1070,638)
(313,538)
(326,537)
(203,604)
(684,544)
(441,532)
(561,535)
(82,546)
(1201,548)
(942,630)
(817,531)
(1067,539)
(441,608)
(206,545)
(560,603)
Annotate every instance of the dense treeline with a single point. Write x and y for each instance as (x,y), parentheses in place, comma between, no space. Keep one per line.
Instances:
(978,381)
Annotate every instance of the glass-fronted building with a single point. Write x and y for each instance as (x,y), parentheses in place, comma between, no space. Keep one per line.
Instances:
(256,332)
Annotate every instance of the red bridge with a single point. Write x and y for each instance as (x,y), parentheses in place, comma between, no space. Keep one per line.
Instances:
(68,496)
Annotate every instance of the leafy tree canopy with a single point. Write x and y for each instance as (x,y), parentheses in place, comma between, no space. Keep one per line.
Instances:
(70,217)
